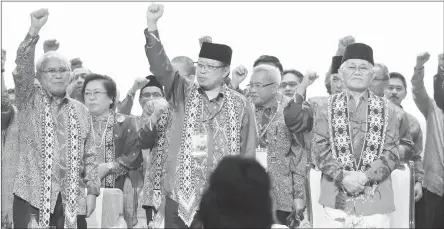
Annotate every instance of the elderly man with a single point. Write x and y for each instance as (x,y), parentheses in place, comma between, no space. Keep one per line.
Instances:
(209,121)
(276,147)
(434,146)
(57,158)
(356,141)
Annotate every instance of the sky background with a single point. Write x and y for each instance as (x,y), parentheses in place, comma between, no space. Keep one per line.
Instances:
(108,36)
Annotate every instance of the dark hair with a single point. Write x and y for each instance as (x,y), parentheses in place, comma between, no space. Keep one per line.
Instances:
(108,84)
(271,59)
(295,72)
(397,75)
(238,196)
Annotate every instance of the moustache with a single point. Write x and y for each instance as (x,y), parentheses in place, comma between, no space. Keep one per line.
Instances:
(394,96)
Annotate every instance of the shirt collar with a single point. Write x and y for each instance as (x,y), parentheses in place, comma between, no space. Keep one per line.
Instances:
(363,98)
(64,100)
(221,94)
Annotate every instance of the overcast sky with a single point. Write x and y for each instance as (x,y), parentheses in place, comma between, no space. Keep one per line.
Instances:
(109,39)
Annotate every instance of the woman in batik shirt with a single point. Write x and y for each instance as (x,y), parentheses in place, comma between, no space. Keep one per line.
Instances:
(115,138)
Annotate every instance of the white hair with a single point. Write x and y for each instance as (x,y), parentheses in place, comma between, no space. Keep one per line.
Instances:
(272,72)
(49,55)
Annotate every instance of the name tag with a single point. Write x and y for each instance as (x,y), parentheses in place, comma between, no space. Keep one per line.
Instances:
(199,145)
(261,156)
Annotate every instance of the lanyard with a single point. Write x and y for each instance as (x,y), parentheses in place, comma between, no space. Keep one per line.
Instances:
(269,123)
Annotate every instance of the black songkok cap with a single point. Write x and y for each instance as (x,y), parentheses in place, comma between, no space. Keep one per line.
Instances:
(358,51)
(153,83)
(215,51)
(335,64)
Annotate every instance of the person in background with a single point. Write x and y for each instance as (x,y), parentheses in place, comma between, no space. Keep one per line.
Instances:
(278,149)
(438,84)
(395,92)
(57,157)
(434,146)
(76,83)
(381,81)
(185,67)
(349,188)
(291,79)
(333,81)
(206,112)
(250,207)
(116,139)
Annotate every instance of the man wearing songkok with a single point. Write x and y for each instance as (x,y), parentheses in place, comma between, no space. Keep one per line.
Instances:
(209,121)
(438,84)
(276,148)
(434,146)
(57,158)
(333,81)
(396,93)
(356,143)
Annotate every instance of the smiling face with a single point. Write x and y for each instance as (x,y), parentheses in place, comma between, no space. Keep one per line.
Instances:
(54,76)
(357,74)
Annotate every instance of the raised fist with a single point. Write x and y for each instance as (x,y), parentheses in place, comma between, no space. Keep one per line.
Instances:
(421,59)
(139,83)
(203,39)
(51,45)
(238,75)
(39,18)
(156,107)
(309,78)
(154,12)
(3,58)
(441,60)
(343,43)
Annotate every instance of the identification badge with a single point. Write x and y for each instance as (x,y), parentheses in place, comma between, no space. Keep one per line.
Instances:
(199,145)
(261,156)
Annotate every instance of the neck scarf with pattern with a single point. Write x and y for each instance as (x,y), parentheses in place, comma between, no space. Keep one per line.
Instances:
(187,198)
(73,157)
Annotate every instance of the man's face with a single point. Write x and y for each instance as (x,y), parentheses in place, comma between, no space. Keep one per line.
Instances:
(336,83)
(55,76)
(210,73)
(148,94)
(396,92)
(79,78)
(379,83)
(183,70)
(289,84)
(262,89)
(357,75)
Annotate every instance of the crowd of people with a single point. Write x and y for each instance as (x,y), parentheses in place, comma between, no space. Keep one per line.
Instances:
(205,153)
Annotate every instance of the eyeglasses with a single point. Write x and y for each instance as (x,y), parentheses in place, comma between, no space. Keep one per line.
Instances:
(291,84)
(148,95)
(94,93)
(208,67)
(53,71)
(258,86)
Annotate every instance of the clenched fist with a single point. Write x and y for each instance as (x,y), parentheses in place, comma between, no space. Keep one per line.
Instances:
(155,107)
(51,45)
(38,20)
(309,78)
(343,43)
(421,59)
(139,83)
(154,12)
(238,75)
(203,39)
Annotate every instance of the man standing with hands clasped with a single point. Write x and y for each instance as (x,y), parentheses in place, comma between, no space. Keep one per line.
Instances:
(207,111)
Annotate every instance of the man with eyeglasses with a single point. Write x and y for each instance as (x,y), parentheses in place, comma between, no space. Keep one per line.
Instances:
(207,111)
(57,157)
(276,148)
(291,79)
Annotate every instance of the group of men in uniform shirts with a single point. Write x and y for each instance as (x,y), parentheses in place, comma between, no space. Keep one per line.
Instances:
(356,136)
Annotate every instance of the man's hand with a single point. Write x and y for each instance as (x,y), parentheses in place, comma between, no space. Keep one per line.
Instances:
(238,76)
(154,12)
(90,205)
(418,191)
(50,45)
(203,39)
(38,20)
(154,107)
(352,182)
(421,59)
(309,78)
(3,58)
(343,43)
(298,205)
(441,60)
(139,83)
(103,170)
